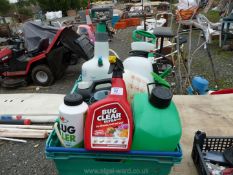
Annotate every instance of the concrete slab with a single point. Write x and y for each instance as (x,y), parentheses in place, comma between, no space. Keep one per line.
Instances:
(30,104)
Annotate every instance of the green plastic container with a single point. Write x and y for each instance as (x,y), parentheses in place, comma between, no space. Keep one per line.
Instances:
(155,129)
(72,161)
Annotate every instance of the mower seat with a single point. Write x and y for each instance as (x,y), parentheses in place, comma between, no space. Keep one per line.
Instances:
(43,45)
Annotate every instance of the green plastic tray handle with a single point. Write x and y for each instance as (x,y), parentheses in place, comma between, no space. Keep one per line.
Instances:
(143,33)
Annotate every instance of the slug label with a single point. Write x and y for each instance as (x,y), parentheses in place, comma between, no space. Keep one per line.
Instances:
(68,133)
(110,127)
(71,131)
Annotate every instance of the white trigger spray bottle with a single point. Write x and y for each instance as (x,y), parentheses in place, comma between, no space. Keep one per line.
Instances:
(97,67)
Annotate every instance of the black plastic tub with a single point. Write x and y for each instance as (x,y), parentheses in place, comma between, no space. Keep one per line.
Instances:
(203,144)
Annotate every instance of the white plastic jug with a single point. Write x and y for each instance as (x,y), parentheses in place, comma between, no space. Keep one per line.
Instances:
(143,46)
(139,65)
(97,67)
(135,83)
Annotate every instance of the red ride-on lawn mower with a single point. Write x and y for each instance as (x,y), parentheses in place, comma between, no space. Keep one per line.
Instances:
(42,55)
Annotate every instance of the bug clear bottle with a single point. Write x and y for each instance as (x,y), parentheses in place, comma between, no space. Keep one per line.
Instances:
(109,123)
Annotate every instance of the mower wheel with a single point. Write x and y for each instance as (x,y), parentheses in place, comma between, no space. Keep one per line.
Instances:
(42,75)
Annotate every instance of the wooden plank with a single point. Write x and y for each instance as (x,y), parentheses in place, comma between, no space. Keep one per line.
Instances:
(23,133)
(38,127)
(38,118)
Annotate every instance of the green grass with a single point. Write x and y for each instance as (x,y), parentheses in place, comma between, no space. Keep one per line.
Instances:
(216,50)
(213,16)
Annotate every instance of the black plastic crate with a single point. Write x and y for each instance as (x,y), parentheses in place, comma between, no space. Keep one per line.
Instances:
(203,144)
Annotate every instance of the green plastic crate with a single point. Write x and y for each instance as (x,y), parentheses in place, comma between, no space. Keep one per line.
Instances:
(78,161)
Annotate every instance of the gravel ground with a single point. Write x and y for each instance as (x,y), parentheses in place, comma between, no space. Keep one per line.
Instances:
(29,158)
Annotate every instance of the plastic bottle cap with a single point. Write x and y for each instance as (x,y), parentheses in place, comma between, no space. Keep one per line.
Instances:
(73,99)
(100,62)
(160,97)
(112,59)
(27,122)
(18,117)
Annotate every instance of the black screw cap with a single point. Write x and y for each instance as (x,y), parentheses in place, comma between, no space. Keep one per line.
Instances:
(73,99)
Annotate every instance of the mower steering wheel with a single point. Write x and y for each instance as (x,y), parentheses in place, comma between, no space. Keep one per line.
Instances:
(16,42)
(142,34)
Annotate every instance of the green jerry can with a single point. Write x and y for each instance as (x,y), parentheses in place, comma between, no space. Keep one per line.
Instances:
(156,121)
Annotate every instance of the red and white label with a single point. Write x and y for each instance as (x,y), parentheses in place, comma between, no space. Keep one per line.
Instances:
(110,127)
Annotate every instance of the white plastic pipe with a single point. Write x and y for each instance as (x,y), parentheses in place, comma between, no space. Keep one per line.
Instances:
(14,140)
(37,118)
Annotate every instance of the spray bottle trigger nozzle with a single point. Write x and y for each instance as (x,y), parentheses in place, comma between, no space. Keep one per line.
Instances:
(116,67)
(100,61)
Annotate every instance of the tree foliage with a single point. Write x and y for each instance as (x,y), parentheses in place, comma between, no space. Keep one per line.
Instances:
(24,6)
(25,3)
(4,7)
(64,5)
